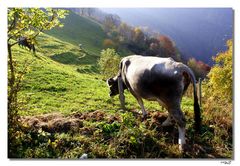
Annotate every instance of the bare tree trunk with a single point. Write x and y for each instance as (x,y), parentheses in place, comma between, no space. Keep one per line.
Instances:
(12,76)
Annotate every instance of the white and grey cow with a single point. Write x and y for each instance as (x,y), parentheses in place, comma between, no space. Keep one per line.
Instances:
(159,79)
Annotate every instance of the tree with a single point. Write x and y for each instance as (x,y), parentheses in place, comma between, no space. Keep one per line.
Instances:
(109,63)
(138,36)
(220,76)
(153,47)
(111,22)
(108,43)
(28,23)
(217,94)
(167,46)
(199,68)
(24,24)
(125,31)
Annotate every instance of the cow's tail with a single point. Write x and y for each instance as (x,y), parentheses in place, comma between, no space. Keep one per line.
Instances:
(197,111)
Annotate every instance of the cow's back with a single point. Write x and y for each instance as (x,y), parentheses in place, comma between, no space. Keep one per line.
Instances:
(153,77)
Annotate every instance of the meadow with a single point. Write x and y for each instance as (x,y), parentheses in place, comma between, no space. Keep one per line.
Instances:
(66,112)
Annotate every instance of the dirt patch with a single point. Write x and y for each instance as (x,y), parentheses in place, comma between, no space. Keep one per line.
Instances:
(97,115)
(56,122)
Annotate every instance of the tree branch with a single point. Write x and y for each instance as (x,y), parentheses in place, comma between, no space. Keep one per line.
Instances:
(13,24)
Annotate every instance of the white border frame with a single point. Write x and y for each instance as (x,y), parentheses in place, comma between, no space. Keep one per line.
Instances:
(4,4)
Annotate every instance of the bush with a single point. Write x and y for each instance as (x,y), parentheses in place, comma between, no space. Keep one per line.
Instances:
(108,43)
(108,63)
(219,86)
(217,91)
(217,99)
(199,68)
(220,76)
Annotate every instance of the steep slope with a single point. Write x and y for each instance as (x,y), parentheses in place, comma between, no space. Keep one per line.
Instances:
(63,78)
(60,79)
(80,30)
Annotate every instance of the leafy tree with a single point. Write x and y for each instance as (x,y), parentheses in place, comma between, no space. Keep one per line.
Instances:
(24,23)
(199,68)
(153,47)
(108,43)
(109,62)
(217,97)
(111,22)
(220,76)
(138,36)
(167,47)
(125,32)
(162,46)
(28,23)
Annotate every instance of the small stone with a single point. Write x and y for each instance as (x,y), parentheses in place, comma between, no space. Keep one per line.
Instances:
(84,156)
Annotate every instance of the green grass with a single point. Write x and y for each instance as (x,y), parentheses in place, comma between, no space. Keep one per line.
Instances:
(57,83)
(80,30)
(64,79)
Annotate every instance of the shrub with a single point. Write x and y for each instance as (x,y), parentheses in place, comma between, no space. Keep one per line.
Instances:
(217,99)
(220,76)
(108,43)
(219,86)
(199,68)
(108,63)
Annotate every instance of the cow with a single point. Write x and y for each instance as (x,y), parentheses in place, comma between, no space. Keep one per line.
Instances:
(157,79)
(25,42)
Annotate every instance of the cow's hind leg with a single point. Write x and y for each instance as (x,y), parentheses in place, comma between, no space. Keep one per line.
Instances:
(178,116)
(168,121)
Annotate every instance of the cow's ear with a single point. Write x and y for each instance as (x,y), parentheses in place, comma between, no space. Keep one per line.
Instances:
(110,81)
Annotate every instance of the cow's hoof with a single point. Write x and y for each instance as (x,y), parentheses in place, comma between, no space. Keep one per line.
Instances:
(144,117)
(167,123)
(123,108)
(183,148)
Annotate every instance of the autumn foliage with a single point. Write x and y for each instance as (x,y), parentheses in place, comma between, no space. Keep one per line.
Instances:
(220,75)
(199,68)
(167,45)
(136,40)
(217,95)
(108,43)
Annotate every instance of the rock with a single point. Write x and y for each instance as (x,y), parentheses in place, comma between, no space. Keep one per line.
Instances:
(84,156)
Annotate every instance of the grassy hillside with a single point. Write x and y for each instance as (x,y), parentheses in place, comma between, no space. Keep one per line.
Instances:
(80,30)
(63,78)
(67,112)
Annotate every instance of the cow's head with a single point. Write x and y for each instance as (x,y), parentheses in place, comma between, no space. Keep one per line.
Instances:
(113,86)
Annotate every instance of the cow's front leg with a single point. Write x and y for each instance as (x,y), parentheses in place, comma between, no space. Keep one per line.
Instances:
(140,102)
(121,93)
